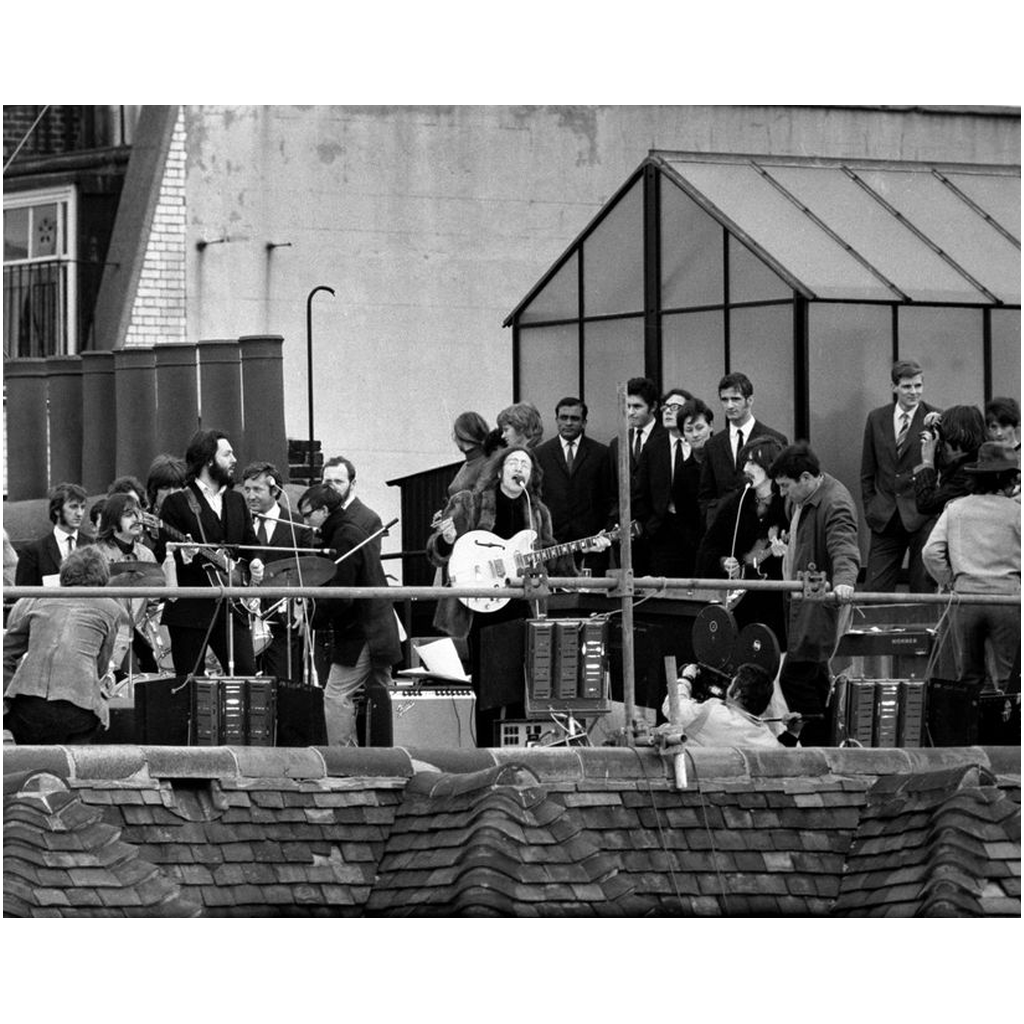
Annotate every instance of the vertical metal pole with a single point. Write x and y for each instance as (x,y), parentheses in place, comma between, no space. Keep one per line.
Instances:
(626,560)
(309,369)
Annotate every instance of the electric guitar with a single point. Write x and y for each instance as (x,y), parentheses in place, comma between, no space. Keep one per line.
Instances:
(764,548)
(215,562)
(483,559)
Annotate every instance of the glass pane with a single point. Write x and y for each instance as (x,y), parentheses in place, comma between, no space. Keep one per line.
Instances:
(44,230)
(559,298)
(947,343)
(549,367)
(614,352)
(761,346)
(783,231)
(997,194)
(613,258)
(691,252)
(693,355)
(1006,353)
(875,234)
(954,227)
(16,234)
(751,279)
(846,343)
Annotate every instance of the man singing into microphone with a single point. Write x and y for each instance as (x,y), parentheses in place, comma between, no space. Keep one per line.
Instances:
(505,500)
(209,512)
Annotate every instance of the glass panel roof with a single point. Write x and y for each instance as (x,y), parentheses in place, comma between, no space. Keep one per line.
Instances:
(876,234)
(822,265)
(782,231)
(962,233)
(998,196)
(559,299)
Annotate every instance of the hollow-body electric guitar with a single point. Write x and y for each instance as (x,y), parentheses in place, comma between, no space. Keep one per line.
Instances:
(483,559)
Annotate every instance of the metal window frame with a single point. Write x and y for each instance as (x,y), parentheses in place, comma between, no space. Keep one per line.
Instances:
(65,258)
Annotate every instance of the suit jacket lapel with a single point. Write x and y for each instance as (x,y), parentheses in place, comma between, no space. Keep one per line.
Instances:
(55,554)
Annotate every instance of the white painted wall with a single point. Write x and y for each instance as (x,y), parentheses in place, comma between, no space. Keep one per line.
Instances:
(432,223)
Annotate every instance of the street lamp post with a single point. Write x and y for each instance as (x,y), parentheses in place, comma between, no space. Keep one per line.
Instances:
(309,368)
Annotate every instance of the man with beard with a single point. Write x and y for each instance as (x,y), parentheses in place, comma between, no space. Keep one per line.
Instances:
(340,474)
(209,512)
(365,640)
(39,563)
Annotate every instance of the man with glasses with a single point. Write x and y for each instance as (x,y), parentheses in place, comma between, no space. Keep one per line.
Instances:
(365,641)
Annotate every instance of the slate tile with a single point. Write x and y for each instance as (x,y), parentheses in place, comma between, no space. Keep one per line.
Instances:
(236,852)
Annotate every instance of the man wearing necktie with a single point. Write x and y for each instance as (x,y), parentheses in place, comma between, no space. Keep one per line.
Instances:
(575,487)
(644,429)
(892,448)
(39,563)
(721,474)
(276,527)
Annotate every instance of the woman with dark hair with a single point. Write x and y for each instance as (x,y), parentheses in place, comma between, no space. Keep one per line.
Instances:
(505,501)
(946,447)
(58,654)
(738,543)
(470,434)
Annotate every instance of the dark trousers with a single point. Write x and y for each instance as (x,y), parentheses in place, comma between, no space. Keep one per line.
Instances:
(188,648)
(885,557)
(671,553)
(970,627)
(805,686)
(36,720)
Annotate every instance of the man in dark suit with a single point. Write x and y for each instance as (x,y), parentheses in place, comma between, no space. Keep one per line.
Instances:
(276,526)
(575,485)
(642,416)
(892,448)
(665,489)
(340,474)
(721,475)
(364,632)
(212,514)
(39,562)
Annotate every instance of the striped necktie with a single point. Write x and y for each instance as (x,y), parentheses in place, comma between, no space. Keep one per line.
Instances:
(901,437)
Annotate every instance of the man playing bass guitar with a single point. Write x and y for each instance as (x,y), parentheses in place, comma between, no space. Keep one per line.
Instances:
(215,516)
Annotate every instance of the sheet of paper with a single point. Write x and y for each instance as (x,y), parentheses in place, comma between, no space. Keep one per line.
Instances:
(441,657)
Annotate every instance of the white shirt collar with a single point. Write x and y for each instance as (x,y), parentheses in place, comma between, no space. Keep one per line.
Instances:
(747,429)
(61,537)
(897,415)
(575,442)
(274,512)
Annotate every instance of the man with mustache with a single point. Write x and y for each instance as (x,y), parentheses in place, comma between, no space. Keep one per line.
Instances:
(211,513)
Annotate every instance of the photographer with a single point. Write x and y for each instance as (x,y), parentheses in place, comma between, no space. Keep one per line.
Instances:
(948,443)
(734,721)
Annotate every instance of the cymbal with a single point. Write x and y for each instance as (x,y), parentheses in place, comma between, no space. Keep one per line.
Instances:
(311,571)
(136,574)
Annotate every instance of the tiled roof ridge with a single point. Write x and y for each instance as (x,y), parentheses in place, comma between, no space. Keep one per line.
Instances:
(503,818)
(61,859)
(547,764)
(939,843)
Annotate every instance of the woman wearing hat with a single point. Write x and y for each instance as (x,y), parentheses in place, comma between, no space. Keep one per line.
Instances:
(975,549)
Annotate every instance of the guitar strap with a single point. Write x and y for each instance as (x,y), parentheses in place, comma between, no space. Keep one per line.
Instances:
(193,504)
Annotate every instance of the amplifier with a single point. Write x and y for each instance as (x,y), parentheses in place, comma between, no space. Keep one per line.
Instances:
(566,666)
(878,713)
(885,653)
(961,715)
(441,717)
(234,711)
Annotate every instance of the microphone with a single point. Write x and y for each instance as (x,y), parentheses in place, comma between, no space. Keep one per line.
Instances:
(519,480)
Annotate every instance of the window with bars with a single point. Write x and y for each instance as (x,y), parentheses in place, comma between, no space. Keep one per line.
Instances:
(39,274)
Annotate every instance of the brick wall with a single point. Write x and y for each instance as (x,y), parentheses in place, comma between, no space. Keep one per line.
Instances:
(158,313)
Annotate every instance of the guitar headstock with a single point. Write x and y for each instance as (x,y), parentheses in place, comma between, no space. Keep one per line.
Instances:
(616,532)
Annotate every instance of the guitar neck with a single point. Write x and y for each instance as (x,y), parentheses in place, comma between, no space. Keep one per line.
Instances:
(568,548)
(211,555)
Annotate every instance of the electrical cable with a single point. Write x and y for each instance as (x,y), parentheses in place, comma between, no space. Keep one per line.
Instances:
(661,833)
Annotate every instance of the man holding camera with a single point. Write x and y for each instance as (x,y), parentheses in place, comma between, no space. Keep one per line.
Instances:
(732,722)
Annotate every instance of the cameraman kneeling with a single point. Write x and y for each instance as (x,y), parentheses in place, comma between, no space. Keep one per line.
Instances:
(735,721)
